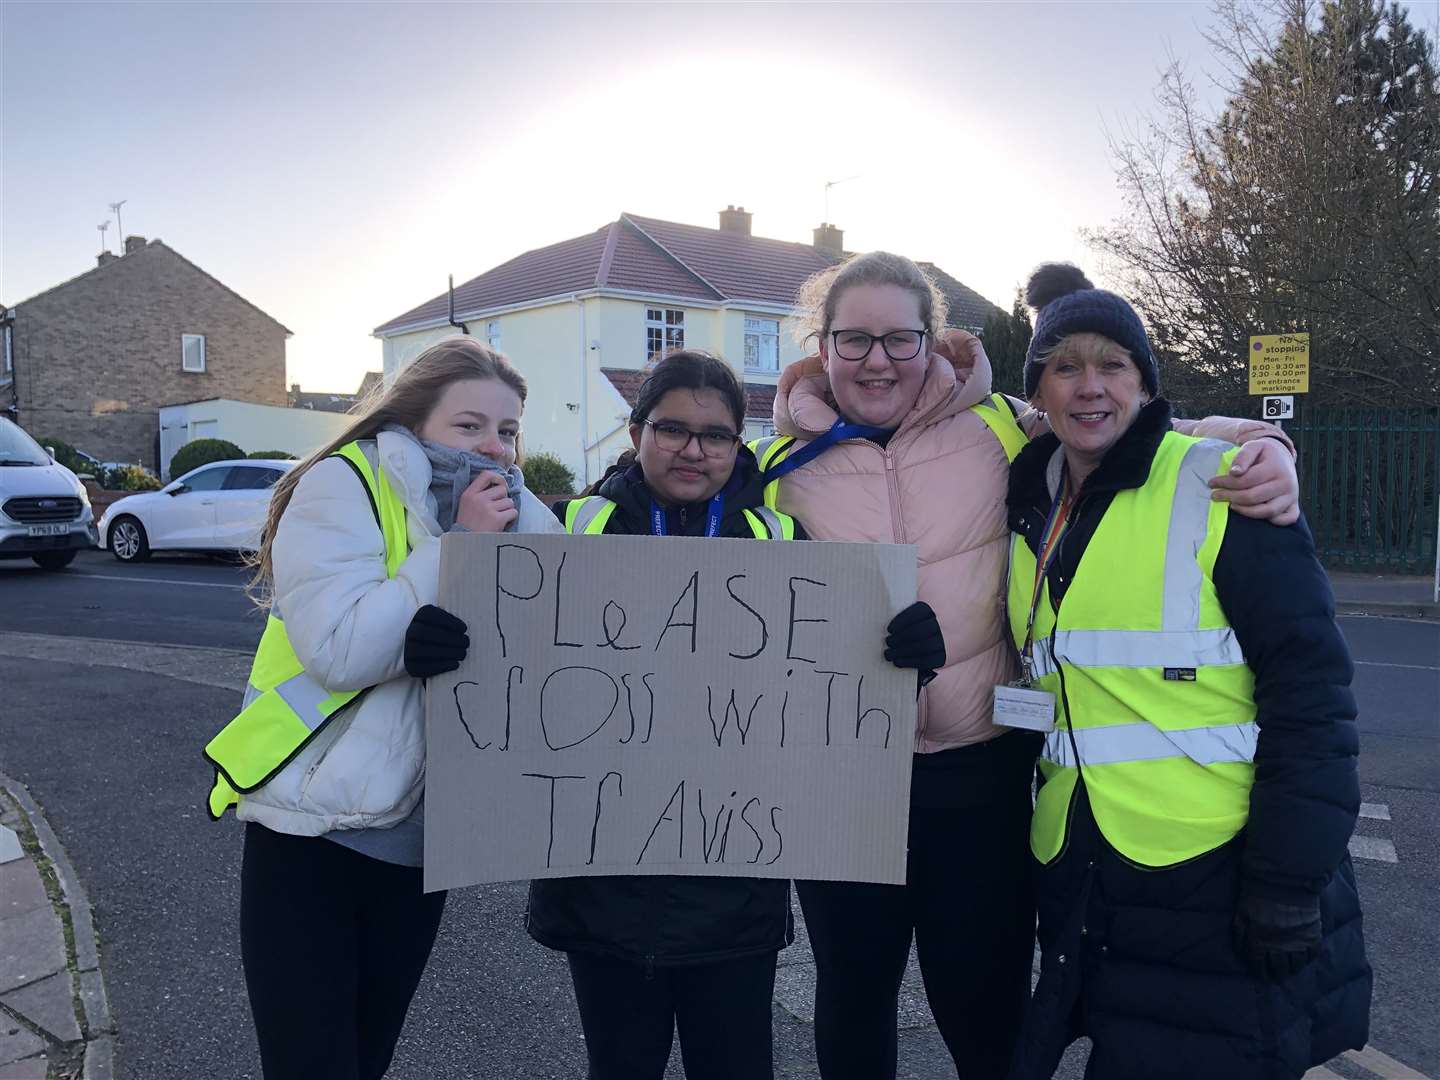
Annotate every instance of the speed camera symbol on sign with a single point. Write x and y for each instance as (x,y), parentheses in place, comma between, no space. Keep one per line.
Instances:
(1279,408)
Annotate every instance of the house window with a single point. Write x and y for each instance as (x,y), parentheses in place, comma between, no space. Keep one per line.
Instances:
(664,332)
(9,354)
(192,352)
(762,344)
(492,334)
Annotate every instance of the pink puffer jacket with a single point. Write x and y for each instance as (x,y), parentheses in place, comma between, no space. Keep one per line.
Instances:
(940,485)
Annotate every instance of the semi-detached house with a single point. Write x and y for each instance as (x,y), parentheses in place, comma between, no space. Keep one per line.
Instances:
(583,318)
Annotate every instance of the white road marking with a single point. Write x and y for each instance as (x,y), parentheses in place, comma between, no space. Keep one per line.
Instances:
(1319,1072)
(1383,1065)
(1408,667)
(161,581)
(1374,848)
(1375,811)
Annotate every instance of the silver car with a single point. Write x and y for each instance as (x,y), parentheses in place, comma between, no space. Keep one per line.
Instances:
(45,514)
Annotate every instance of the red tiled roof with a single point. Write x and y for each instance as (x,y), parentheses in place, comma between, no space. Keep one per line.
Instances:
(759,397)
(661,258)
(738,266)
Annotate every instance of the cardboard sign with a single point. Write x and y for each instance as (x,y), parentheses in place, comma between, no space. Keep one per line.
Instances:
(643,705)
(1280,364)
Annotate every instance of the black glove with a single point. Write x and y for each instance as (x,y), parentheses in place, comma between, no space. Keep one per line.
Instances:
(1276,939)
(435,643)
(912,640)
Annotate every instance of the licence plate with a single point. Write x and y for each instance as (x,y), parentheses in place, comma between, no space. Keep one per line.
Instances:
(59,529)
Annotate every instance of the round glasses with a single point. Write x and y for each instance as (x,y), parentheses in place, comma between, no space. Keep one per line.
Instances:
(898,344)
(674,438)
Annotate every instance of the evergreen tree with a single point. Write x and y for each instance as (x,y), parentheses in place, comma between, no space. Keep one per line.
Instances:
(1006,337)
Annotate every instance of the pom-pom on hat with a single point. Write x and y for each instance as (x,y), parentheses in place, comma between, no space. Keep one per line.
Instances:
(1067,303)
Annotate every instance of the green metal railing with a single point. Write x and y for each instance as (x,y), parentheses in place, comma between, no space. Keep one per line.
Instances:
(1368,483)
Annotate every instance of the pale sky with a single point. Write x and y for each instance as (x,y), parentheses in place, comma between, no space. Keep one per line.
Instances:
(333,162)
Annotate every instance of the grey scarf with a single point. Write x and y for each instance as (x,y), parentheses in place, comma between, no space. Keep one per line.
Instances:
(451,472)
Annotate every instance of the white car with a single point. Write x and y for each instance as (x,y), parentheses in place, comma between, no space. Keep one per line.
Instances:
(45,514)
(218,507)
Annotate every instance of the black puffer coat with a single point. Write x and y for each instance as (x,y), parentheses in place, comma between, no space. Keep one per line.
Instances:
(1142,960)
(666,920)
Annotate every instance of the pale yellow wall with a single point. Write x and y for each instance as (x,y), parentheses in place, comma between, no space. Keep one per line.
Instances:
(546,345)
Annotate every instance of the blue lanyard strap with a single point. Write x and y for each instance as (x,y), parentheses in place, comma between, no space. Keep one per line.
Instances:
(811,450)
(658,526)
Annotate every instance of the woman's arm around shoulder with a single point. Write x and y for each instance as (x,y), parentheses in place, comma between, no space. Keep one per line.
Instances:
(345,618)
(1307,791)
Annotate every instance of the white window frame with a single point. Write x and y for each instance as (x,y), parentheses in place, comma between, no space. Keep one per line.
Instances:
(757,336)
(9,368)
(185,340)
(664,332)
(492,334)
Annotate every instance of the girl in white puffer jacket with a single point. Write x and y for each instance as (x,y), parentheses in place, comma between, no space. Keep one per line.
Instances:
(335,928)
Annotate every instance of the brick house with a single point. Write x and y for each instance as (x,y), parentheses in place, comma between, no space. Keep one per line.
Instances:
(92,360)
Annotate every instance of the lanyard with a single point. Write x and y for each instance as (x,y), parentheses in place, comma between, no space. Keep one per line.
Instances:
(1056,523)
(838,430)
(658,526)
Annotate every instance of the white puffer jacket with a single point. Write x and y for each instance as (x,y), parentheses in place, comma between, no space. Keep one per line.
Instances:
(346,622)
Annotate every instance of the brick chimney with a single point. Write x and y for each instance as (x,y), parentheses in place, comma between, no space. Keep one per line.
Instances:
(105,258)
(735,219)
(133,244)
(830,239)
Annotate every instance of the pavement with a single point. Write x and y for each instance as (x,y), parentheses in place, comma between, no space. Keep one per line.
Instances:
(1394,595)
(55,1019)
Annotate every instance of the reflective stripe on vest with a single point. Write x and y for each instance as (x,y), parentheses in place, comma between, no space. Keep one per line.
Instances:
(1151,686)
(1146,742)
(284,708)
(994,411)
(588,517)
(768,451)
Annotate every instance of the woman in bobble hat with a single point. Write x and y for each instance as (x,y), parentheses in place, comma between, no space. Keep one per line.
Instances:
(1198,912)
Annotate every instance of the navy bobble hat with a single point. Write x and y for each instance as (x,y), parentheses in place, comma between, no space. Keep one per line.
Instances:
(1067,303)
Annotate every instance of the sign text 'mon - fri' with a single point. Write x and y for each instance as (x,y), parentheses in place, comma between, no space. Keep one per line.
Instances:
(639,705)
(1280,364)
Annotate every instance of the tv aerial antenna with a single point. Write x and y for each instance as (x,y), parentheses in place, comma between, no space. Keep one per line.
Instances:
(119,229)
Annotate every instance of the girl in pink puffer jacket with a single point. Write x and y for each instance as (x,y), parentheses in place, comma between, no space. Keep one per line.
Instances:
(931,470)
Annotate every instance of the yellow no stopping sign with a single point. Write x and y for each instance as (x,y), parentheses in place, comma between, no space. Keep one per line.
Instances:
(1280,364)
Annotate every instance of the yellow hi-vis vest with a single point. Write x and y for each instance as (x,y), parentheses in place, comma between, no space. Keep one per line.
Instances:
(1151,688)
(284,708)
(588,517)
(994,410)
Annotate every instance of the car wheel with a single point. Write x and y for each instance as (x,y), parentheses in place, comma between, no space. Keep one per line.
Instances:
(128,541)
(54,560)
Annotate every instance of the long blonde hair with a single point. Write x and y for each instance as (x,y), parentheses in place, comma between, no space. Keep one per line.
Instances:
(408,402)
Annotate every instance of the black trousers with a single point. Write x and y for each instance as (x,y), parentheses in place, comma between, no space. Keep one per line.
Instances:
(969,903)
(334,943)
(629,1013)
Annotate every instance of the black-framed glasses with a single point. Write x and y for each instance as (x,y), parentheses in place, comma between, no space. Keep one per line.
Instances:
(674,438)
(898,344)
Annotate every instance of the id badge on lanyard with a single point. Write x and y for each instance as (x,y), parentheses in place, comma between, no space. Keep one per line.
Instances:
(1019,704)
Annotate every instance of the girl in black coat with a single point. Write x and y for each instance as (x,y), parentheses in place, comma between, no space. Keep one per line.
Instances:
(648,953)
